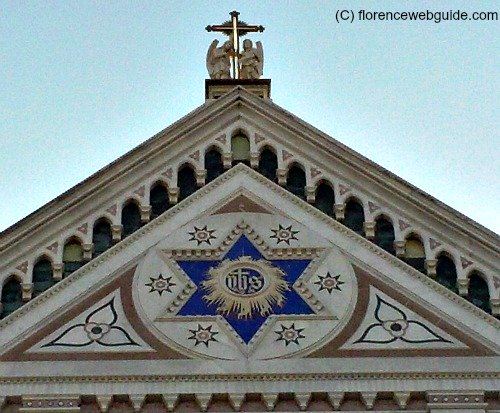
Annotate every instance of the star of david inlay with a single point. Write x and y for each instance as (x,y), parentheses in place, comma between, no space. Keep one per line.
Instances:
(244,288)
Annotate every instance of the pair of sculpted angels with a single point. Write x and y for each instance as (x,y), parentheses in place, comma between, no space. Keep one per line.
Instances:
(250,60)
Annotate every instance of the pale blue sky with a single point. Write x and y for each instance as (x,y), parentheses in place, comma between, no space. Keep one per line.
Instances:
(83,82)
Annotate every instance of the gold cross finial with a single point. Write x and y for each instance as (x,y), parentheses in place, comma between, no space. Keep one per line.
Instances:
(235,29)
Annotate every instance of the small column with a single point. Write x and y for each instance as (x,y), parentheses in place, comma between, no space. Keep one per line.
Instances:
(57,271)
(399,247)
(145,213)
(173,195)
(339,212)
(431,266)
(87,251)
(201,175)
(369,229)
(27,291)
(116,232)
(254,159)
(310,192)
(227,159)
(281,175)
(463,286)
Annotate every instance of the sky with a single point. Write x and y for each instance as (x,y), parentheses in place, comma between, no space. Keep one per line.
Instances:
(83,82)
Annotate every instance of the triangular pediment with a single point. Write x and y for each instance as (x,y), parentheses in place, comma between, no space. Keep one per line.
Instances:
(245,270)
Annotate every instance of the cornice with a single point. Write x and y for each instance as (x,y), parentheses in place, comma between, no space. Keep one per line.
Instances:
(225,378)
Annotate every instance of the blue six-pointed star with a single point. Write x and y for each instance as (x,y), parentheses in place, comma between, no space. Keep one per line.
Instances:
(196,305)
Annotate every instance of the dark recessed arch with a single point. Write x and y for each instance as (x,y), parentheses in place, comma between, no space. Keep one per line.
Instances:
(354,215)
(12,296)
(186,181)
(384,234)
(446,271)
(158,199)
(325,198)
(72,256)
(131,218)
(214,164)
(268,163)
(42,276)
(296,180)
(479,294)
(102,237)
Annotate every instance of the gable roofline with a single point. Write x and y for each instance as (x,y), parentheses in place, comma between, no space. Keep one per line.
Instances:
(265,107)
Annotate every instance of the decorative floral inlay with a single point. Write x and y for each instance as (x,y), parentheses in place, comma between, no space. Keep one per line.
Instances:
(393,324)
(284,234)
(203,335)
(289,334)
(329,282)
(99,327)
(201,235)
(160,284)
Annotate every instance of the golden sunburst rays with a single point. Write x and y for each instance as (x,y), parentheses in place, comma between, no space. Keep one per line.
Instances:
(245,286)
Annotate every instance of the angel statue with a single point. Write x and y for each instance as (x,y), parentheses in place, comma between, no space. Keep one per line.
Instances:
(219,60)
(251,60)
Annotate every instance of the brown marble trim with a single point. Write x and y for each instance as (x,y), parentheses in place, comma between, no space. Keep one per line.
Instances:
(241,203)
(19,352)
(332,348)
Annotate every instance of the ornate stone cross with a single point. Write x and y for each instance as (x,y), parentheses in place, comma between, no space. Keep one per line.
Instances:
(234,29)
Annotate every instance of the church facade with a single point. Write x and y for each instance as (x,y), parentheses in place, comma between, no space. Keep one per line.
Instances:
(242,260)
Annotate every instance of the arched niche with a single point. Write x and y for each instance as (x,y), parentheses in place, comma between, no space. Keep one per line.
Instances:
(354,216)
(43,276)
(72,256)
(131,218)
(186,181)
(240,148)
(158,199)
(415,253)
(12,296)
(296,181)
(213,164)
(102,237)
(479,294)
(446,272)
(325,198)
(268,164)
(384,234)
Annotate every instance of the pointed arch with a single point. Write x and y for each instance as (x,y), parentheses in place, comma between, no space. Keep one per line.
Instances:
(213,164)
(354,215)
(296,180)
(72,256)
(102,237)
(186,181)
(158,199)
(268,163)
(42,275)
(479,294)
(131,218)
(240,148)
(325,198)
(384,234)
(446,272)
(12,296)
(415,252)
